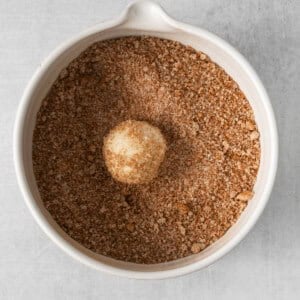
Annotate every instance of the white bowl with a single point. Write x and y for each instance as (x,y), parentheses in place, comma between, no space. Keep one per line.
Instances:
(140,18)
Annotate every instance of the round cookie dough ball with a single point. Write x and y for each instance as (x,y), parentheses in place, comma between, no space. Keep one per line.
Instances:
(133,151)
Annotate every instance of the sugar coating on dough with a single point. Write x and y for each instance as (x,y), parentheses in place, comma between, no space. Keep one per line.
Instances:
(133,151)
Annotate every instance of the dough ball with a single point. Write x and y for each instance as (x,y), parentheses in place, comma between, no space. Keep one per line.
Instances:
(133,151)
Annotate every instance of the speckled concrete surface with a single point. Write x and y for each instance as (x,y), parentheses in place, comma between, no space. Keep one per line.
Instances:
(266,265)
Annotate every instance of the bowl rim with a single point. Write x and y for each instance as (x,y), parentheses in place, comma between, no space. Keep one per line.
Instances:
(35,210)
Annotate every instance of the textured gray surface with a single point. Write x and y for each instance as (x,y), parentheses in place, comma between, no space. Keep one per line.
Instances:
(266,265)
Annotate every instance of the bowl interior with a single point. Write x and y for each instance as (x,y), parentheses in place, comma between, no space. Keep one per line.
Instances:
(219,52)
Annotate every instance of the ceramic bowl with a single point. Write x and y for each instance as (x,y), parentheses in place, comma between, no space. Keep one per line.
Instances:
(147,18)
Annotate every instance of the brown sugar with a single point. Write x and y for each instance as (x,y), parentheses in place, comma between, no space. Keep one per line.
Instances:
(209,169)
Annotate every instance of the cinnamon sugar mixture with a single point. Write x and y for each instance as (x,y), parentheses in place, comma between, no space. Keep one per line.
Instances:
(210,166)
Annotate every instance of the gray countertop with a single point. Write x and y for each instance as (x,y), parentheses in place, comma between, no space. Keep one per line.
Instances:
(266,265)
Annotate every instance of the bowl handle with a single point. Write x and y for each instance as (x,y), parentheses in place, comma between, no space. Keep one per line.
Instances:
(146,15)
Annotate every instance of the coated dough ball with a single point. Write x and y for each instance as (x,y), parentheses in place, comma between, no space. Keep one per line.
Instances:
(133,151)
